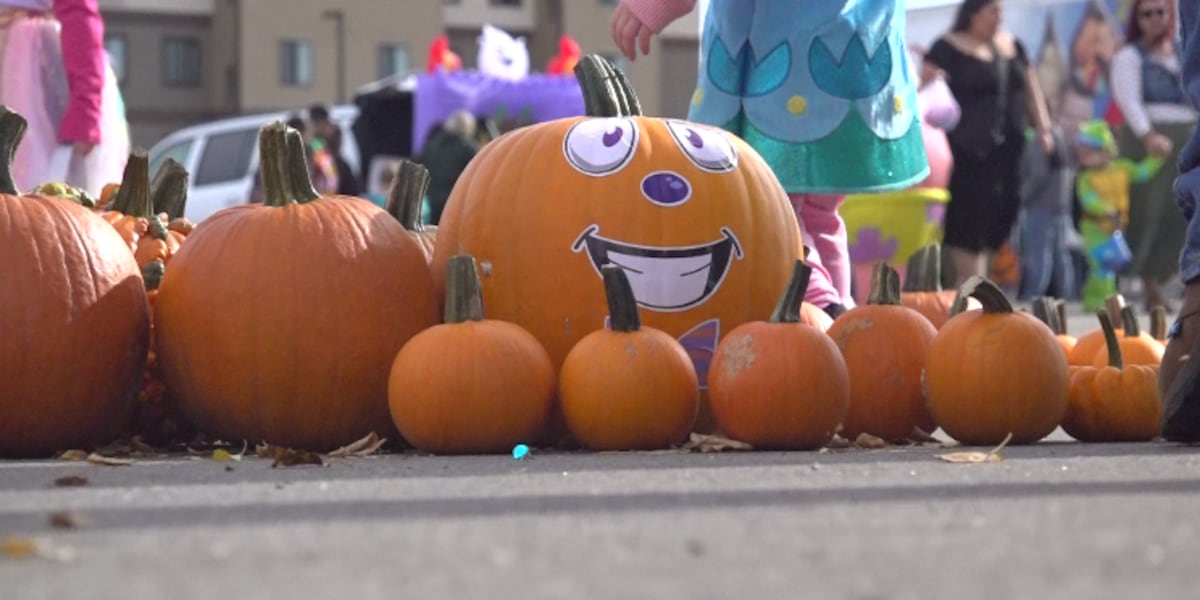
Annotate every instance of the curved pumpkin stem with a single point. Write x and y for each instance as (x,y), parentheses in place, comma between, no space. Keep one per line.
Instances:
(133,196)
(168,189)
(1041,309)
(622,306)
(408,190)
(989,296)
(464,296)
(12,129)
(1113,304)
(1110,340)
(885,285)
(1158,323)
(152,273)
(606,91)
(297,161)
(273,165)
(788,308)
(923,272)
(1130,323)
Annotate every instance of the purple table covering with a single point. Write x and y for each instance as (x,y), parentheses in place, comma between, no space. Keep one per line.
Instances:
(537,98)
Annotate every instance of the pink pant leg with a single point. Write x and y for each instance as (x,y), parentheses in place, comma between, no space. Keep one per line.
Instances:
(821,290)
(826,233)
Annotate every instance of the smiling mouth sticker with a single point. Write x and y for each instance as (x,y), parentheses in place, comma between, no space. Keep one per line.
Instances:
(666,279)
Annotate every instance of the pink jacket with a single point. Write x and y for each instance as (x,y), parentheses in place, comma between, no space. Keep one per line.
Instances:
(83,56)
(657,14)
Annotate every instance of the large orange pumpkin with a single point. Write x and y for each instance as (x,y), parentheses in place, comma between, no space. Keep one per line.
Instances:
(885,345)
(995,372)
(694,215)
(779,383)
(280,321)
(73,318)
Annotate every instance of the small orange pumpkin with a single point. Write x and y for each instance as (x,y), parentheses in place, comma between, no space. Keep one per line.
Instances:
(279,321)
(1114,403)
(884,345)
(73,316)
(780,383)
(404,203)
(1137,347)
(995,372)
(628,387)
(923,286)
(470,385)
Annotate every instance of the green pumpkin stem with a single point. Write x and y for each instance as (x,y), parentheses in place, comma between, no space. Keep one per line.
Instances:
(168,189)
(273,165)
(133,196)
(297,165)
(606,90)
(1110,340)
(622,306)
(1129,322)
(885,285)
(989,296)
(408,190)
(1041,309)
(923,272)
(1158,323)
(788,308)
(464,294)
(12,129)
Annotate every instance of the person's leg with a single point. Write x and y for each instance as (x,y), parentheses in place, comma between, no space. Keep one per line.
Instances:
(1100,283)
(827,230)
(1036,261)
(821,290)
(1179,375)
(1062,278)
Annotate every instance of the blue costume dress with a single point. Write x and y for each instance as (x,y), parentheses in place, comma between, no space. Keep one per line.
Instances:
(822,89)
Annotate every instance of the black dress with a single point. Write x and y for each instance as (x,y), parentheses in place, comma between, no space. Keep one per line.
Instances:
(986,145)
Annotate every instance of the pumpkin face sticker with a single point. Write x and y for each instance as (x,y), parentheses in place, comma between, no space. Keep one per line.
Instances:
(663,278)
(694,216)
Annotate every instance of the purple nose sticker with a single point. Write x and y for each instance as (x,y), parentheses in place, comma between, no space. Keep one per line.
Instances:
(666,188)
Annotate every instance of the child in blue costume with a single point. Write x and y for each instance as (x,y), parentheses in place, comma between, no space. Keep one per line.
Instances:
(822,90)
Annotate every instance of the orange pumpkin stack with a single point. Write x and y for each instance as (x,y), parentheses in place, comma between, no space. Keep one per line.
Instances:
(1116,402)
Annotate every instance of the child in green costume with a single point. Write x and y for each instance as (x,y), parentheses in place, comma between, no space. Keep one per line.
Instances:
(1103,188)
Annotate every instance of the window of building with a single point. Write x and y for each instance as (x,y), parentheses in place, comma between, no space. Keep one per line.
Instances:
(226,156)
(181,61)
(296,62)
(394,59)
(116,45)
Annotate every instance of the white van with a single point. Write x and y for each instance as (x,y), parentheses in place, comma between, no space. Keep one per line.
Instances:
(222,157)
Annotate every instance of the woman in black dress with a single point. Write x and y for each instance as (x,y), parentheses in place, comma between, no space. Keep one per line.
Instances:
(989,74)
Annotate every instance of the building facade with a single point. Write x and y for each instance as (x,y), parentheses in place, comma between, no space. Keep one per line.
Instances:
(187,61)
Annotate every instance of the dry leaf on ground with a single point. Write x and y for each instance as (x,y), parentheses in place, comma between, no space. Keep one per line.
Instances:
(992,455)
(69,520)
(71,481)
(24,547)
(699,442)
(869,442)
(838,443)
(288,457)
(371,444)
(923,437)
(223,455)
(108,461)
(79,455)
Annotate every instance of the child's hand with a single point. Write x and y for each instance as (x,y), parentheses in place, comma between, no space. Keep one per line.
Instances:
(1157,144)
(628,32)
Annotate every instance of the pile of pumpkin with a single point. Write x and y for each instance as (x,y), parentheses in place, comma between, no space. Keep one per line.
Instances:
(310,321)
